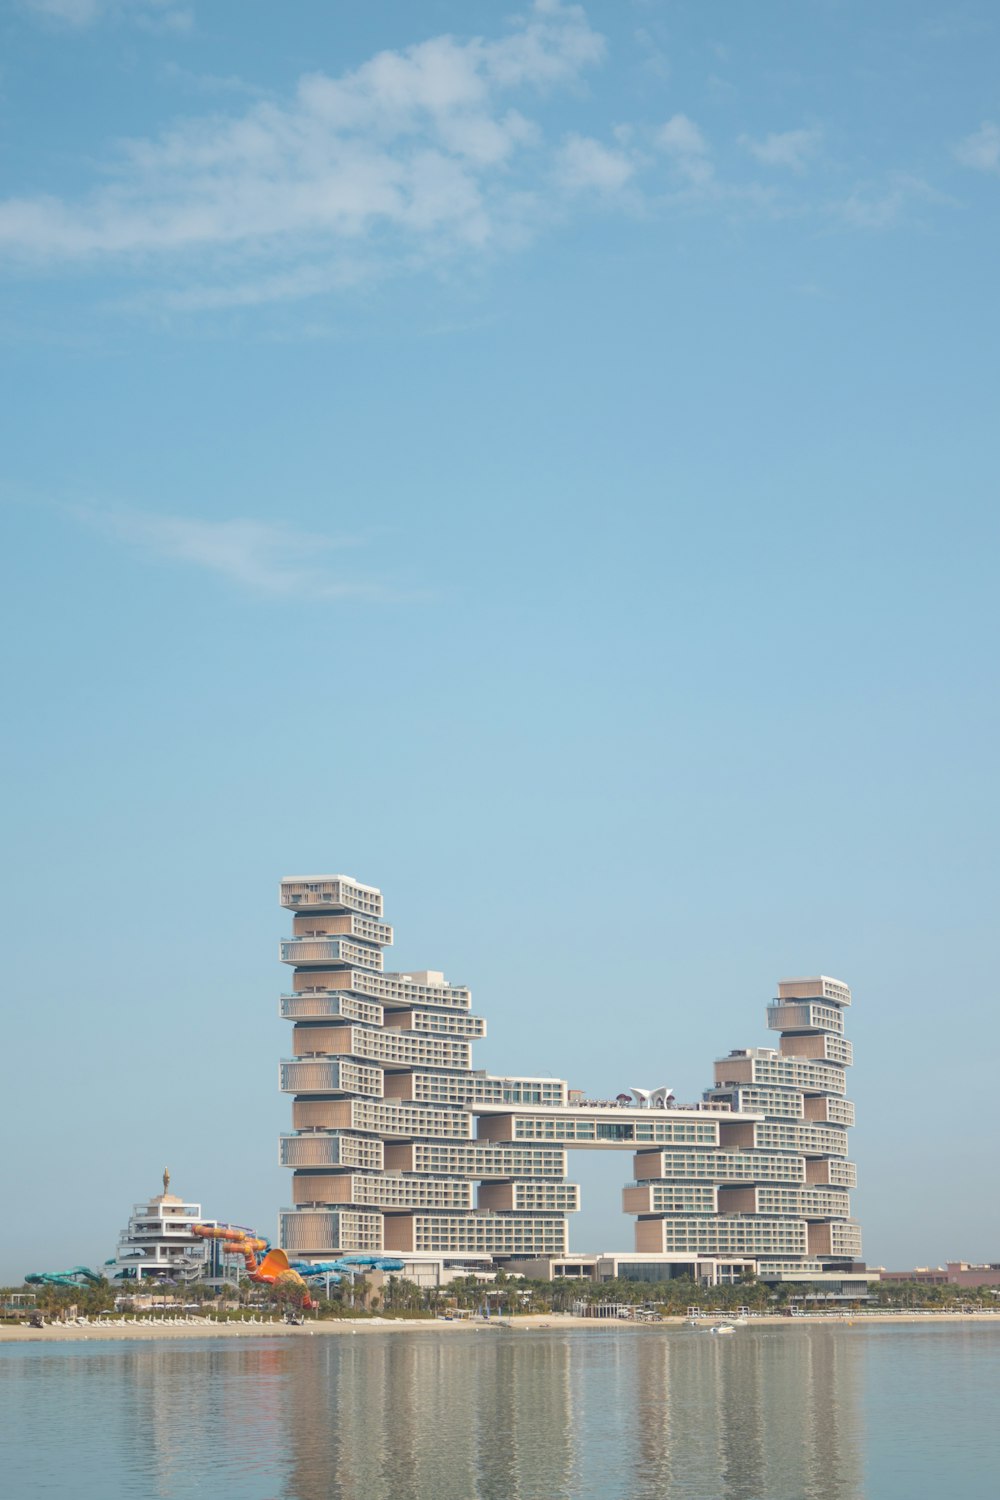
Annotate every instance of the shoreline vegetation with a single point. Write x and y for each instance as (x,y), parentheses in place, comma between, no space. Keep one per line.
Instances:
(117,1330)
(102,1312)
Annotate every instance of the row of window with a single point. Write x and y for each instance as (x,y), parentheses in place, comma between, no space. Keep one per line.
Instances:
(795,1073)
(731,1166)
(331,1232)
(733,1236)
(408,1120)
(332,1151)
(553,1128)
(404,1047)
(810,1140)
(489,1161)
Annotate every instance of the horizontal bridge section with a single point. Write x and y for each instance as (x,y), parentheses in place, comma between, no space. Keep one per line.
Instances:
(603,1129)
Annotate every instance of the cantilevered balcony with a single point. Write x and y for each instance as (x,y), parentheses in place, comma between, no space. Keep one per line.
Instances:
(347,924)
(317,1006)
(300,1075)
(302,951)
(330,893)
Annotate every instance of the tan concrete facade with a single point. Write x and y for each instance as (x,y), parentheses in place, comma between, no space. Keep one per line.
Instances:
(399,1144)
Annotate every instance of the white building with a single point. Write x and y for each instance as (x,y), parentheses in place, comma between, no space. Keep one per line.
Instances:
(158,1242)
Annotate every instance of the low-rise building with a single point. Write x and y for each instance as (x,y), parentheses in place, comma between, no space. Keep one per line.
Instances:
(158,1243)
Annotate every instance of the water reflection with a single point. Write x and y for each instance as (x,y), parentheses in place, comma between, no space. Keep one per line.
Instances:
(523,1416)
(652,1414)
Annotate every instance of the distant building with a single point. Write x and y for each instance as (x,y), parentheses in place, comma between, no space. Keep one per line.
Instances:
(953,1273)
(400,1145)
(158,1243)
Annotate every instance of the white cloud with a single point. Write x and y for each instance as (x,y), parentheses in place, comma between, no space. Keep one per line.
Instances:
(785,148)
(267,558)
(981,150)
(683,143)
(416,152)
(160,15)
(882,206)
(582,163)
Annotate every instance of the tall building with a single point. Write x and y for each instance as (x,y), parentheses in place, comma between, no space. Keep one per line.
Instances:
(399,1144)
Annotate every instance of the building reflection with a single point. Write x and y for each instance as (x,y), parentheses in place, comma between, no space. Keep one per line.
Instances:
(453,1416)
(651,1413)
(766,1412)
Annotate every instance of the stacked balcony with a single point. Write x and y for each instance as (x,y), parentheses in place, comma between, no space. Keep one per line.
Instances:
(777,1185)
(384,1090)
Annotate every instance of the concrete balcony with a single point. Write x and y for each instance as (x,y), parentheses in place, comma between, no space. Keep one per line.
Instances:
(330,1007)
(324,1148)
(330,893)
(322,951)
(347,924)
(321,1076)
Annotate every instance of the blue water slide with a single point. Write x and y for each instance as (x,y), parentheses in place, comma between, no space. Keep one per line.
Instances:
(76,1276)
(372,1262)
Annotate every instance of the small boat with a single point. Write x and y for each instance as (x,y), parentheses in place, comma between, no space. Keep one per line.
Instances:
(722,1328)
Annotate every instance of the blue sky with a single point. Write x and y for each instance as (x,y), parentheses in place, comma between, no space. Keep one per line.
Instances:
(541,463)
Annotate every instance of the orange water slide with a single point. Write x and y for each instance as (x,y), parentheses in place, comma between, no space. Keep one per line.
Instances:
(271,1271)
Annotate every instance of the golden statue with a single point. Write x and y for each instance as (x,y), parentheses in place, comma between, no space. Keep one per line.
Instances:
(166,1180)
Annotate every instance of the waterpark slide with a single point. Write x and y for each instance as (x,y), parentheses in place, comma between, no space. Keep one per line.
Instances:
(349,1265)
(273,1270)
(76,1276)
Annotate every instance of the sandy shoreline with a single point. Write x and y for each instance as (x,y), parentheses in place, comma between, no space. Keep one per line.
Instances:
(552,1323)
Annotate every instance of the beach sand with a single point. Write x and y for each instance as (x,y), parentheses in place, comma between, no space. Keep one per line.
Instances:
(61,1333)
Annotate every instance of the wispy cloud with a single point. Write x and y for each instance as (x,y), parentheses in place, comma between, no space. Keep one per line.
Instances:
(420,159)
(267,558)
(686,148)
(885,205)
(415,152)
(981,150)
(158,15)
(584,163)
(784,148)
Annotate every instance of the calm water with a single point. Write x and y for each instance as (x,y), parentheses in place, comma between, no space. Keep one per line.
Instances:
(849,1413)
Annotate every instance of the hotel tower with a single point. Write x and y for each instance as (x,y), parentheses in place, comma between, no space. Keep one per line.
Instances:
(400,1145)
